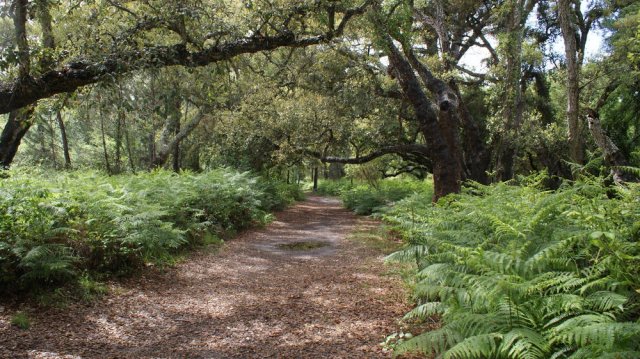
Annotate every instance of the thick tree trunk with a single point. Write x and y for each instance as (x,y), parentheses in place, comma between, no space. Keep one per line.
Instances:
(476,156)
(172,115)
(565,18)
(65,140)
(20,121)
(447,170)
(17,126)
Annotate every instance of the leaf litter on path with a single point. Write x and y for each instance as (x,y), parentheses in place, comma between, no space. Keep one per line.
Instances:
(252,299)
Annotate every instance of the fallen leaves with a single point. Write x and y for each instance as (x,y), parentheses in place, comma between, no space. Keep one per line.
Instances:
(249,300)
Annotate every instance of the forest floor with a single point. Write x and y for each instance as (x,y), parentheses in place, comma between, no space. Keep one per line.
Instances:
(304,286)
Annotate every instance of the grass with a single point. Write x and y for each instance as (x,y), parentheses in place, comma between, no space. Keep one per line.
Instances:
(21,320)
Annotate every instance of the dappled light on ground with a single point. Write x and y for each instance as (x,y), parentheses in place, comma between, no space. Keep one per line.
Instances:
(252,299)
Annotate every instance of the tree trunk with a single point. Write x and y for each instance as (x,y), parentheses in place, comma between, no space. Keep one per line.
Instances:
(513,109)
(176,150)
(127,141)
(52,142)
(160,158)
(447,170)
(118,138)
(565,18)
(476,156)
(17,126)
(20,120)
(314,173)
(19,15)
(152,149)
(104,144)
(65,141)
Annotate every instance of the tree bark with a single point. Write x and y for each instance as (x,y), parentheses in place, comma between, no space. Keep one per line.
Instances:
(315,178)
(476,156)
(64,139)
(107,164)
(19,121)
(19,15)
(176,150)
(18,124)
(567,26)
(447,171)
(118,139)
(160,158)
(513,109)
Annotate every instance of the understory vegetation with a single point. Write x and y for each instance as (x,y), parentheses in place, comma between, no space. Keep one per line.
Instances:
(365,198)
(513,270)
(55,228)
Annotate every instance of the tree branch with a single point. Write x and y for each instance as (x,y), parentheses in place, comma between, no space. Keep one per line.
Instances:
(25,91)
(414,148)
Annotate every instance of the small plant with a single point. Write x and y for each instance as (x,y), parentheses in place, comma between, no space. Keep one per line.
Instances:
(21,320)
(392,341)
(91,289)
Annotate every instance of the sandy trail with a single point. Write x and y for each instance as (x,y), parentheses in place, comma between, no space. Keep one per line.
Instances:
(252,299)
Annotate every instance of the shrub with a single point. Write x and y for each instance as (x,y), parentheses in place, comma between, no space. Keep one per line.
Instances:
(518,272)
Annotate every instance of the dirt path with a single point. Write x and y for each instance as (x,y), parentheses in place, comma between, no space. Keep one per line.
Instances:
(253,299)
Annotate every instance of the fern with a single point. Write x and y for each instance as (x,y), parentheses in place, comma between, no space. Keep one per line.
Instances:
(516,272)
(53,226)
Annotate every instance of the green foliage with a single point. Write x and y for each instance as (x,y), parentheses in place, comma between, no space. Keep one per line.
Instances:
(519,272)
(90,288)
(54,226)
(334,187)
(366,199)
(21,320)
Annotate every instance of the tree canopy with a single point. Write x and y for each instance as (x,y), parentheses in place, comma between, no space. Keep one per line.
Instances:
(464,90)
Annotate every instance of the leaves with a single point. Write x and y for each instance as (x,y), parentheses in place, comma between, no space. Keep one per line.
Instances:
(52,227)
(547,274)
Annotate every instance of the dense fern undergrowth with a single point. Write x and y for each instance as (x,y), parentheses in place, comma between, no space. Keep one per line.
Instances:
(517,271)
(57,227)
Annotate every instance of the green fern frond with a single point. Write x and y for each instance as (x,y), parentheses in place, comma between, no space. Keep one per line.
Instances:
(425,310)
(635,171)
(477,346)
(524,343)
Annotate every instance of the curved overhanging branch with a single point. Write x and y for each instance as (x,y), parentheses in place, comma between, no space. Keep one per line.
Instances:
(28,90)
(78,74)
(414,148)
